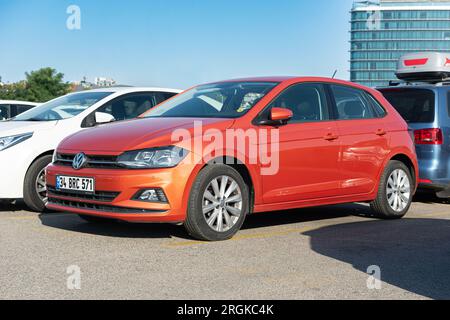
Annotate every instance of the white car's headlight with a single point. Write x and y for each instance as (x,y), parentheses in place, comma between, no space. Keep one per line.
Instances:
(8,142)
(165,157)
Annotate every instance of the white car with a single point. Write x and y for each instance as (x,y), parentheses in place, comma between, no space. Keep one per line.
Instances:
(11,108)
(27,141)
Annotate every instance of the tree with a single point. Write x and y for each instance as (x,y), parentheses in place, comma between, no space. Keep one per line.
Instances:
(40,86)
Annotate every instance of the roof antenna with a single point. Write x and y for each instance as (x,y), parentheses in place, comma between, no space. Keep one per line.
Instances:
(334,74)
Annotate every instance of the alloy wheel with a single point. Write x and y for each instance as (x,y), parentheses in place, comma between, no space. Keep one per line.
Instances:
(398,190)
(222,203)
(41,187)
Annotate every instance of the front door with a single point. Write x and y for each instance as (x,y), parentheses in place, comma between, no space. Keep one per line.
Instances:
(309,148)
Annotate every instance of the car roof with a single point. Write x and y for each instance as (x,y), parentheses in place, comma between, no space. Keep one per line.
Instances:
(292,79)
(417,86)
(19,102)
(133,89)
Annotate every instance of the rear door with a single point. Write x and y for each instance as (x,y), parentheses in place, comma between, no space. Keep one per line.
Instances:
(364,138)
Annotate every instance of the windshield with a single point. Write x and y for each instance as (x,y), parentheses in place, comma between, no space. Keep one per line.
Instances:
(414,105)
(62,108)
(220,100)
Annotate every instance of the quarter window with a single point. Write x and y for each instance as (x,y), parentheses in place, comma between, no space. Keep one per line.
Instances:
(380,112)
(351,103)
(308,102)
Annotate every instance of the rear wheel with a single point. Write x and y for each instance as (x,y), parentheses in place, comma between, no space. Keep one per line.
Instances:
(35,189)
(218,204)
(395,192)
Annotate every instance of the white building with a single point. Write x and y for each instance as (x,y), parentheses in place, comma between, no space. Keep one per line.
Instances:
(104,82)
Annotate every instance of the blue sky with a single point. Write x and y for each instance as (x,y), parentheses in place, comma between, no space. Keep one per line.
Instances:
(176,43)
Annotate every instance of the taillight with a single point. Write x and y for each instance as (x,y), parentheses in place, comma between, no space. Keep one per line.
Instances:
(428,136)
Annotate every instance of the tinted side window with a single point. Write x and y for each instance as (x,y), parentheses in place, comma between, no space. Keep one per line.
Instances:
(22,108)
(307,101)
(130,106)
(4,112)
(351,103)
(163,96)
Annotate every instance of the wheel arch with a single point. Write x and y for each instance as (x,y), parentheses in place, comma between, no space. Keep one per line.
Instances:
(236,164)
(407,162)
(46,153)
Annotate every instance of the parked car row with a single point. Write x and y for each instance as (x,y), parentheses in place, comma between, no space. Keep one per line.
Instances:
(334,142)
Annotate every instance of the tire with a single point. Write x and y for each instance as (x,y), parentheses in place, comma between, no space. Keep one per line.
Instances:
(396,205)
(34,199)
(226,218)
(94,219)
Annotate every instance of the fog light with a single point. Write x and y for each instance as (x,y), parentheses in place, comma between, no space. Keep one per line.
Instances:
(151,195)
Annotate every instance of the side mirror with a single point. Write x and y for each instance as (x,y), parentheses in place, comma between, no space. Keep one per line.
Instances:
(103,117)
(278,117)
(281,114)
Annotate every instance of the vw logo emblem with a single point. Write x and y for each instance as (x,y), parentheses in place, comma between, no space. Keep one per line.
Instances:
(79,161)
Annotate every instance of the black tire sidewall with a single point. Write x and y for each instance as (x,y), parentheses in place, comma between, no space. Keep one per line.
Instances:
(195,212)
(391,213)
(31,197)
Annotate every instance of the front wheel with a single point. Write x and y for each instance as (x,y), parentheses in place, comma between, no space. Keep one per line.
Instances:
(35,189)
(395,192)
(218,204)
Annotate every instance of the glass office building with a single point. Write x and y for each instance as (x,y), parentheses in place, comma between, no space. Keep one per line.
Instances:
(382,31)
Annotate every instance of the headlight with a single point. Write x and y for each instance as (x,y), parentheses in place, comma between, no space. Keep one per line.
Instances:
(8,142)
(165,157)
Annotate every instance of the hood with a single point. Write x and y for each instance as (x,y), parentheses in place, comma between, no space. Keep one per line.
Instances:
(12,128)
(135,134)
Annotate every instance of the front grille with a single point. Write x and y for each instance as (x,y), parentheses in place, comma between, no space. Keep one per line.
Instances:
(101,208)
(93,161)
(103,196)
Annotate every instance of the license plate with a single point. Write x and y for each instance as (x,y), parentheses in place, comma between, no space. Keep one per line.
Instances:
(75,184)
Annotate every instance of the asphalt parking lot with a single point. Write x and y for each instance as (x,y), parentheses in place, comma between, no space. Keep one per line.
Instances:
(319,253)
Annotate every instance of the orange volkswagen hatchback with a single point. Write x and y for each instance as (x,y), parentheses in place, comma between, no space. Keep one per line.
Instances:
(214,154)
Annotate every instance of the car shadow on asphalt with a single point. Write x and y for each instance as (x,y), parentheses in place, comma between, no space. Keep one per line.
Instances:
(413,254)
(112,228)
(12,206)
(429,197)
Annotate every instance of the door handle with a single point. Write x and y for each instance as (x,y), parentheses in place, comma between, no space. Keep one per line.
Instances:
(380,132)
(331,136)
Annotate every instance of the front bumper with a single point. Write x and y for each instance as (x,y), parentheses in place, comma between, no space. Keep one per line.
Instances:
(123,184)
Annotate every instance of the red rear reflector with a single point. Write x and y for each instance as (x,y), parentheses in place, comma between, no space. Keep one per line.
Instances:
(428,136)
(425,181)
(416,62)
